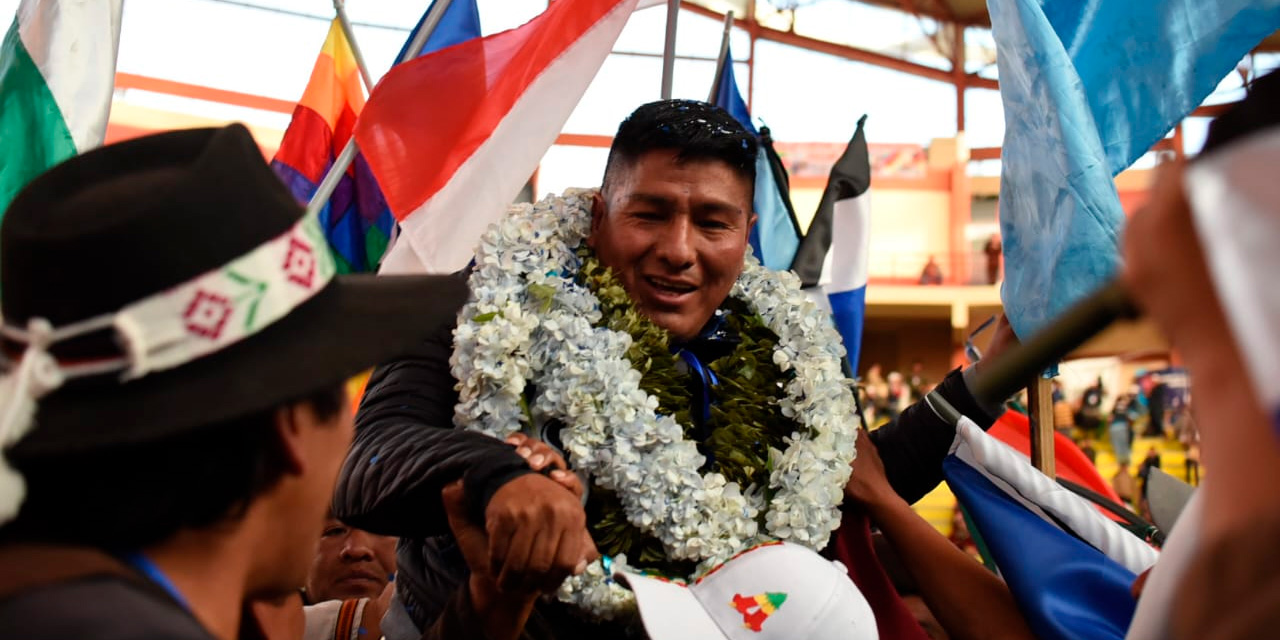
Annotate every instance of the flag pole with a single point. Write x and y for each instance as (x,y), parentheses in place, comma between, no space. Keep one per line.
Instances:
(722,59)
(669,48)
(348,155)
(340,7)
(1083,320)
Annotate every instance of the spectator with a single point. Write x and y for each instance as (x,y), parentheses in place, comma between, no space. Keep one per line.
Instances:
(932,273)
(1120,429)
(1190,438)
(918,382)
(1063,421)
(898,396)
(877,392)
(1090,418)
(350,564)
(1156,402)
(993,251)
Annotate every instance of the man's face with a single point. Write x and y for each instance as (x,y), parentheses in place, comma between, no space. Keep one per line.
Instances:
(350,563)
(675,234)
(299,504)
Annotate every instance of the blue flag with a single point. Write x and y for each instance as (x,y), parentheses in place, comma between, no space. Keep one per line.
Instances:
(1066,589)
(1088,87)
(775,237)
(1068,567)
(461,22)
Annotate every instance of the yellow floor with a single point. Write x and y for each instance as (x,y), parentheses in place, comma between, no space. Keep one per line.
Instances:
(938,505)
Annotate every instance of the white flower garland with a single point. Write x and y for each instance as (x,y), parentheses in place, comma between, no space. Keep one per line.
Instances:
(530,321)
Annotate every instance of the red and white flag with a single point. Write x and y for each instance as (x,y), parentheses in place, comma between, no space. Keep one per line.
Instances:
(453,136)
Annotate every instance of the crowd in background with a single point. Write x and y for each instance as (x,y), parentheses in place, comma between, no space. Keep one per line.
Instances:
(885,396)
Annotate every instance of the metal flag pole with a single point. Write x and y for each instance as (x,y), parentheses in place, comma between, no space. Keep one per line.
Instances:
(348,155)
(722,59)
(669,48)
(339,6)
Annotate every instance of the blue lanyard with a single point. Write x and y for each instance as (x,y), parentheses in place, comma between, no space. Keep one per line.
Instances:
(704,379)
(149,569)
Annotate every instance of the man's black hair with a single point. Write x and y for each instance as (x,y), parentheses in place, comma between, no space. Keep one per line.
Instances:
(127,497)
(694,130)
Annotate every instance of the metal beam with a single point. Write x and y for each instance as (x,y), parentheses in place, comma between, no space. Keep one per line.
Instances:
(957,71)
(197,92)
(849,53)
(939,11)
(985,153)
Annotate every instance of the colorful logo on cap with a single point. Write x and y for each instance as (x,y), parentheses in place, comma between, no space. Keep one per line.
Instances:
(756,609)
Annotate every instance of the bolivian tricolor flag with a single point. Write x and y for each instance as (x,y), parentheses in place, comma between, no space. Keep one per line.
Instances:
(57,74)
(356,220)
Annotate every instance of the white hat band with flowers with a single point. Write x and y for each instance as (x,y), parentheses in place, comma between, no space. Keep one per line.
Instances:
(201,316)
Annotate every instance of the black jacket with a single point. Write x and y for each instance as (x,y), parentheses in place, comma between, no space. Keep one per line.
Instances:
(406,450)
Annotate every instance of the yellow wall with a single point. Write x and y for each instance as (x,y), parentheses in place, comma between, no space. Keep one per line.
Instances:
(906,227)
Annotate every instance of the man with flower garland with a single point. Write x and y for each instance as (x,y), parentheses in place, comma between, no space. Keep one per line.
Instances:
(698,397)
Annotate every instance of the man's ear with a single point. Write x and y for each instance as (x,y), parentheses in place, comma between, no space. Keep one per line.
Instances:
(597,216)
(751,222)
(290,430)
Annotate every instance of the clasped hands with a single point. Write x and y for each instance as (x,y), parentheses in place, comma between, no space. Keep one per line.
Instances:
(535,529)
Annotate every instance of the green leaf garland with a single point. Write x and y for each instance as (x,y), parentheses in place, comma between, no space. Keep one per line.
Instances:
(746,421)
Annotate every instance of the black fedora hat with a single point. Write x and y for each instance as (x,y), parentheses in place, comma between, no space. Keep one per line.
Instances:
(147,236)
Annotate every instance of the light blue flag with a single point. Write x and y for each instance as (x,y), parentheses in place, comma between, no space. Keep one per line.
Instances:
(775,238)
(1088,87)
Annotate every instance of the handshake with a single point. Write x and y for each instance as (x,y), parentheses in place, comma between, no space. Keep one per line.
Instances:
(534,533)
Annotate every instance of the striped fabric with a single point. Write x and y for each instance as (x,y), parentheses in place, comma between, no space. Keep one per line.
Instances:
(57,74)
(454,135)
(356,220)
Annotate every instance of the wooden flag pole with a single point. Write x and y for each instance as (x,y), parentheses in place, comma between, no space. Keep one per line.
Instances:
(348,155)
(669,48)
(1040,401)
(722,59)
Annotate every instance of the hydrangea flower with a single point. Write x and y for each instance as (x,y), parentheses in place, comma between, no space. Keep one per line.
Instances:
(529,321)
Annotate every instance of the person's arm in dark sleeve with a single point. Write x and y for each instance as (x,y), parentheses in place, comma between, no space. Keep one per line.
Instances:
(406,450)
(913,447)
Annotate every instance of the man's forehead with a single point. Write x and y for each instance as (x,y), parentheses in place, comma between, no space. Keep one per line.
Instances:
(639,177)
(663,158)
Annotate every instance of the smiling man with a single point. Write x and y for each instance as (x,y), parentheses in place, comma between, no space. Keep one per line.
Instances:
(697,395)
(673,229)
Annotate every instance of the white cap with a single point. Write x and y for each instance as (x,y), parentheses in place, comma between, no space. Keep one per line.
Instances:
(773,591)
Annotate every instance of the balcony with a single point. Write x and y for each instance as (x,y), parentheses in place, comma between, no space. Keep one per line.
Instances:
(902,268)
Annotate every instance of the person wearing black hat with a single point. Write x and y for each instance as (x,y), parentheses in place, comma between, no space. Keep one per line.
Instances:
(173,414)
